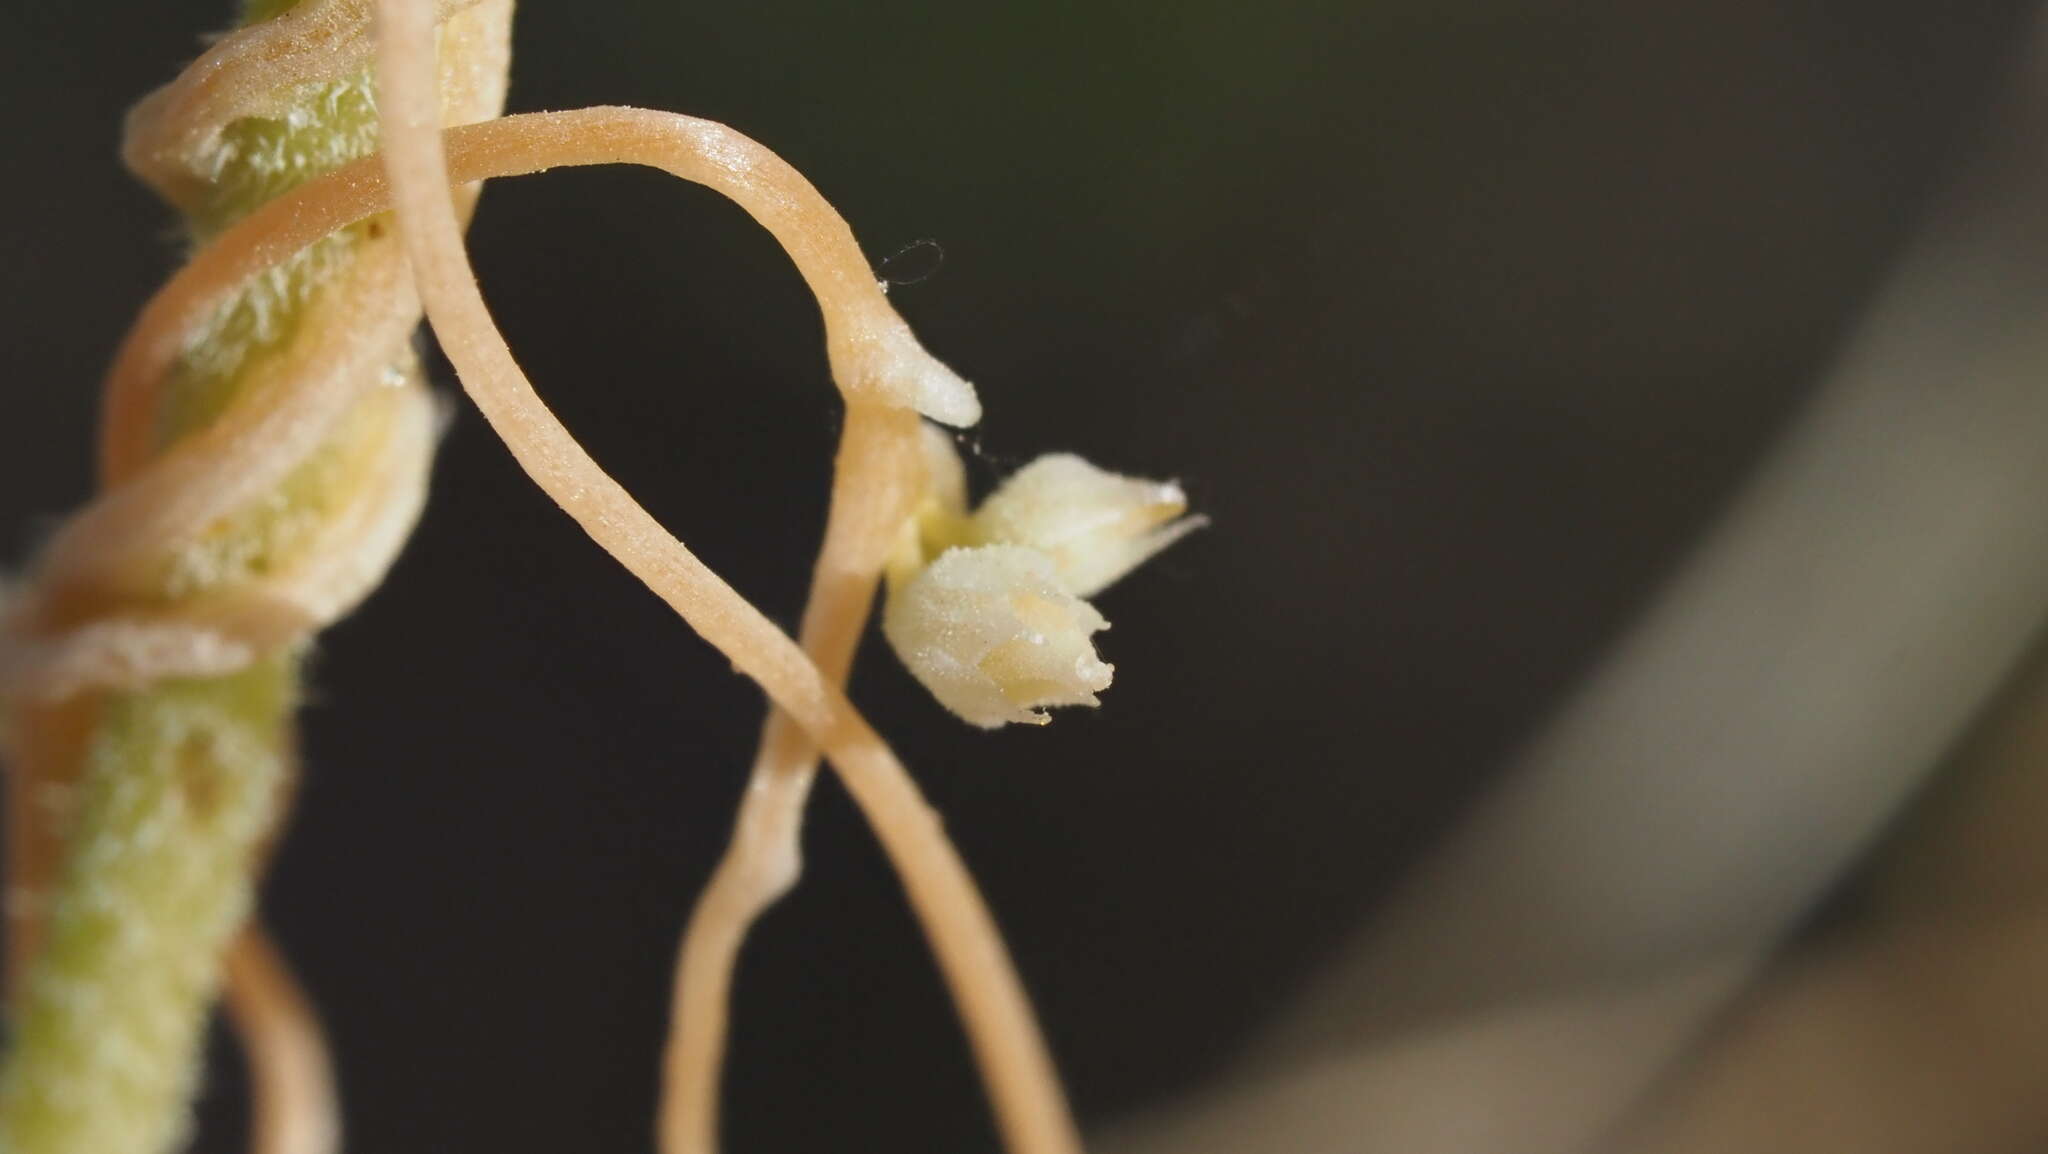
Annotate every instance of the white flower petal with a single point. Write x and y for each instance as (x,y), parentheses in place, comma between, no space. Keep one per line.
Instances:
(994,634)
(1095,525)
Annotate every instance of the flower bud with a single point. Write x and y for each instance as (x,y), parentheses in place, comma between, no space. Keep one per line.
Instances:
(995,635)
(1095,525)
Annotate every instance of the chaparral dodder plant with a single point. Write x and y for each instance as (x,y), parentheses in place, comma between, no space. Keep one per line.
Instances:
(264,455)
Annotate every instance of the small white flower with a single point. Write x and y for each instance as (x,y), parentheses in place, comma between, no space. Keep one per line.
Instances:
(996,636)
(1095,525)
(986,609)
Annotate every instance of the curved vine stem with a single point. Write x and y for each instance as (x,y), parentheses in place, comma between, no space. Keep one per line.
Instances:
(1029,1104)
(871,496)
(295,1107)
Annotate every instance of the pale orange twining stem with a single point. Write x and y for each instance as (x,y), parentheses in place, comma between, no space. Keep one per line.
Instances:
(249,73)
(873,351)
(877,479)
(292,1079)
(1029,1105)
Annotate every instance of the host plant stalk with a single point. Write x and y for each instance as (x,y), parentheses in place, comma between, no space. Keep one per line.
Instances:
(149,691)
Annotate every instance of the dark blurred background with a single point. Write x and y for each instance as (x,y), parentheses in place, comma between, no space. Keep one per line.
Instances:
(1459,319)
